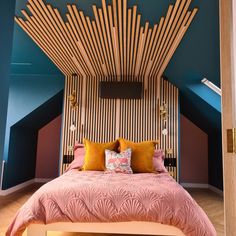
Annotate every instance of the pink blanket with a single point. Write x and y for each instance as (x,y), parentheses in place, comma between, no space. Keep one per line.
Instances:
(98,197)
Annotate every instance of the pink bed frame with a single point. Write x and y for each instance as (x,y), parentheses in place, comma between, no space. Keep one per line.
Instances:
(133,227)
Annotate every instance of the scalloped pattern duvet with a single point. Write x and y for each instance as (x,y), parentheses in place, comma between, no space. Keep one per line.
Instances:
(89,196)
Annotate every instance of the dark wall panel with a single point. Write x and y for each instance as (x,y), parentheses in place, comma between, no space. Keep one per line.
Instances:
(7,9)
(21,162)
(20,165)
(215,168)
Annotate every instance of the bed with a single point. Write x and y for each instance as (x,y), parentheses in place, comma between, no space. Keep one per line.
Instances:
(94,201)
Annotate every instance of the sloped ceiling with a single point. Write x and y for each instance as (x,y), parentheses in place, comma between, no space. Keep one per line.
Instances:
(197,56)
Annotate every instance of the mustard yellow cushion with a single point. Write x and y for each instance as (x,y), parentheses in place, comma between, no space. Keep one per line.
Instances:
(142,155)
(95,154)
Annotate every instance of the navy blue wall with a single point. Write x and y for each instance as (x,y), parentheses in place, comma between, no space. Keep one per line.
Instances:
(215,169)
(7,10)
(21,162)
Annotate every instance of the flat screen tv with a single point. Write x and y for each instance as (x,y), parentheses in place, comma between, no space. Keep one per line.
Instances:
(121,90)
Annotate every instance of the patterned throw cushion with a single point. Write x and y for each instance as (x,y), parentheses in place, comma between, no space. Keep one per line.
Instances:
(118,162)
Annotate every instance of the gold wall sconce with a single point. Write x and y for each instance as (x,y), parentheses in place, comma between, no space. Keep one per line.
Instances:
(169,151)
(164,112)
(70,148)
(73,100)
(164,116)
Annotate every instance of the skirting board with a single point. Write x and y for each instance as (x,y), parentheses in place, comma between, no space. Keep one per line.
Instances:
(216,190)
(23,185)
(42,180)
(203,186)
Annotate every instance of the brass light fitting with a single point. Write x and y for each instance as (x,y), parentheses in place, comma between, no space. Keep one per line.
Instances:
(73,100)
(164,112)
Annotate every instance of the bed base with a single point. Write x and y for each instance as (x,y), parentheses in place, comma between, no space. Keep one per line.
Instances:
(134,227)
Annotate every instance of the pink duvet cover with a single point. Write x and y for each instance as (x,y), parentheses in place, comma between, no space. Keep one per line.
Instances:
(79,196)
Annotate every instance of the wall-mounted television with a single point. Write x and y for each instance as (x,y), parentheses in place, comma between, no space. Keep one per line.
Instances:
(121,90)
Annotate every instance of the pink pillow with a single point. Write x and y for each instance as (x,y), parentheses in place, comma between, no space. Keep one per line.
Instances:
(118,162)
(79,153)
(158,161)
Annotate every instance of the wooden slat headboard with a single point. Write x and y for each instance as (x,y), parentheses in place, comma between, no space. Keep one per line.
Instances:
(104,120)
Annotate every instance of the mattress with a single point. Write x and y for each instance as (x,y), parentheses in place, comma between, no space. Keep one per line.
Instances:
(91,196)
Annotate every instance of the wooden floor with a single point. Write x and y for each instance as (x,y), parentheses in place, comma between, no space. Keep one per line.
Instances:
(209,201)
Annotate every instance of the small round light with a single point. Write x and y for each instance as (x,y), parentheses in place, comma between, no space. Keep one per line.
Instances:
(72,128)
(164,132)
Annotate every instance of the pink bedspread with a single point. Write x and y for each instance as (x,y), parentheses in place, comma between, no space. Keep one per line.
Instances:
(98,197)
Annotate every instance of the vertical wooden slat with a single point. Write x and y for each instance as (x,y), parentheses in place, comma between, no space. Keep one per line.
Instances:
(116,32)
(128,41)
(121,35)
(132,40)
(108,35)
(125,35)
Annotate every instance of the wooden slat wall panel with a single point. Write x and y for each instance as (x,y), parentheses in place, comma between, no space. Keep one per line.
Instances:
(113,46)
(108,119)
(72,116)
(100,115)
(141,116)
(169,95)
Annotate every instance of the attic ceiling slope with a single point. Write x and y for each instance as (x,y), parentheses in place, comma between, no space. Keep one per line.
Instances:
(114,43)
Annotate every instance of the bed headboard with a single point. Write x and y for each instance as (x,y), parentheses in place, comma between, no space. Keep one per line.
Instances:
(86,115)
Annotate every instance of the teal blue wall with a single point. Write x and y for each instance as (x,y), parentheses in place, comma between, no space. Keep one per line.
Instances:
(21,159)
(7,10)
(26,94)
